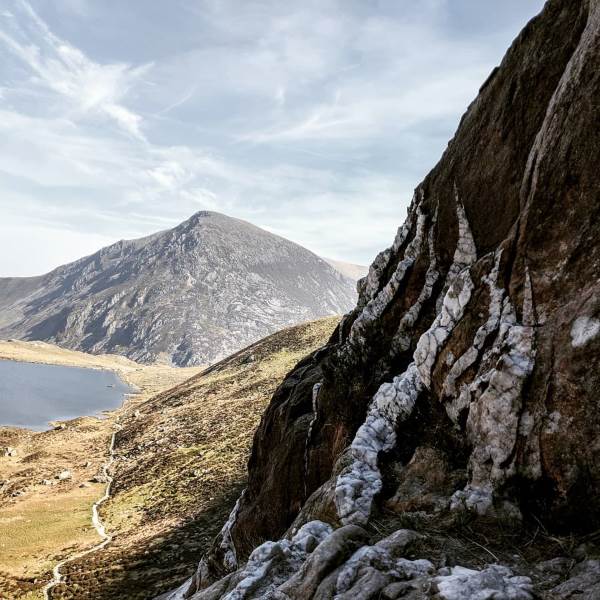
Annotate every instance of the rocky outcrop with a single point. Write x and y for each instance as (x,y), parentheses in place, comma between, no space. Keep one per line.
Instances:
(464,386)
(189,295)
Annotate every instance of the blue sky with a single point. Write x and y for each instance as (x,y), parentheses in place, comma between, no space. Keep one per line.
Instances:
(314,120)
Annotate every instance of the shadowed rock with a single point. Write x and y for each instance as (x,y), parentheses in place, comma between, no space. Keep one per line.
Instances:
(474,349)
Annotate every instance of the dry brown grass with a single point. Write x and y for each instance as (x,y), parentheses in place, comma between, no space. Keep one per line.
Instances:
(183,458)
(39,524)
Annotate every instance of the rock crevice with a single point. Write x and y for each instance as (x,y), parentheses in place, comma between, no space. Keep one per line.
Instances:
(465,383)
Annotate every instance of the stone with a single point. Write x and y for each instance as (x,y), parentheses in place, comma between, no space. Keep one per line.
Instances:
(583,583)
(425,483)
(331,553)
(273,563)
(487,303)
(408,590)
(493,583)
(64,475)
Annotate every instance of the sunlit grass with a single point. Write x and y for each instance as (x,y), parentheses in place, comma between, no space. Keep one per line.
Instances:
(33,531)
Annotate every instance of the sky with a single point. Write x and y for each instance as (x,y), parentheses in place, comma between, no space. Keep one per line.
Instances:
(312,119)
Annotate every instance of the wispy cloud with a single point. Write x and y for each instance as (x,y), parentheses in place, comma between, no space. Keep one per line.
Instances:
(313,119)
(179,102)
(88,87)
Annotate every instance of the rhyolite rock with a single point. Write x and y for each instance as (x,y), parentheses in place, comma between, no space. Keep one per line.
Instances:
(189,295)
(465,384)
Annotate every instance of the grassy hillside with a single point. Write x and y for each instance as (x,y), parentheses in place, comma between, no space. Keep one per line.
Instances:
(42,518)
(181,463)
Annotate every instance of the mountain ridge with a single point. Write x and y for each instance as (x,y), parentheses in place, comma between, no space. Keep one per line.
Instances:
(189,295)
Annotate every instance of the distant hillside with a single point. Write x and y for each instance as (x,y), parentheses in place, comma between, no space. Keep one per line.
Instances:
(189,295)
(182,459)
(350,270)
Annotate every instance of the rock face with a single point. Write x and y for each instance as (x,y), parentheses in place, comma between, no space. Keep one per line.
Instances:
(190,295)
(465,384)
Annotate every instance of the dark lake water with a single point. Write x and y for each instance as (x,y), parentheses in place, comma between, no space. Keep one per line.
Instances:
(31,395)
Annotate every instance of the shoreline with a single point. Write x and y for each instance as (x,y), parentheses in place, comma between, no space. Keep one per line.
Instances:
(107,369)
(143,380)
(117,370)
(101,415)
(31,477)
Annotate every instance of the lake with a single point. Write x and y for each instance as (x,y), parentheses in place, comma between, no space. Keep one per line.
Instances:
(31,394)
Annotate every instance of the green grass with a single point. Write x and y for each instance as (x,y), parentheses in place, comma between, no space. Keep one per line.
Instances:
(34,531)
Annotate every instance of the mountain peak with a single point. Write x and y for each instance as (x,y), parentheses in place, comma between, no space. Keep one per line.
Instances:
(187,295)
(203,215)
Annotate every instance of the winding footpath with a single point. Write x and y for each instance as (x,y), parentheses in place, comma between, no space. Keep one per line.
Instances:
(96,522)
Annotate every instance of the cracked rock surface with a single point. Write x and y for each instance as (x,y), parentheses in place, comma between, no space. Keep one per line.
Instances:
(459,400)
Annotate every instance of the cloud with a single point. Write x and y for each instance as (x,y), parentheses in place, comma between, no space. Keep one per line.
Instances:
(179,102)
(58,67)
(77,7)
(314,120)
(68,168)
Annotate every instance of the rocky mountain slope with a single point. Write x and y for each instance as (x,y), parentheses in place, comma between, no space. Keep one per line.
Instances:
(180,462)
(189,295)
(445,442)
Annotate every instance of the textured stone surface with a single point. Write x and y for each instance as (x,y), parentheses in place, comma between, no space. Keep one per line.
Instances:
(493,583)
(189,295)
(487,303)
(583,583)
(334,551)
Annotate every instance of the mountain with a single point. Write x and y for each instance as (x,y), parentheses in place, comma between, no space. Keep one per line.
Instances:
(189,295)
(445,442)
(350,270)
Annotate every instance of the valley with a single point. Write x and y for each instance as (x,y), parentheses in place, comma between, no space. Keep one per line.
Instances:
(180,460)
(51,479)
